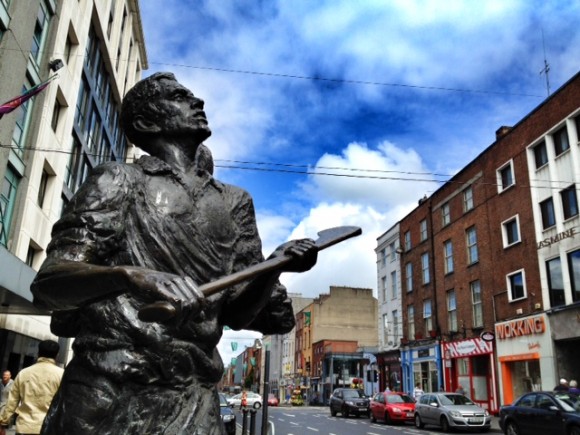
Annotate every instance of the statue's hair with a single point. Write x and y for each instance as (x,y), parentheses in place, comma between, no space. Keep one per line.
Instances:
(139,101)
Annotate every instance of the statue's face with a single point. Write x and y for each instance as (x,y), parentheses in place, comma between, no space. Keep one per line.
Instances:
(185,115)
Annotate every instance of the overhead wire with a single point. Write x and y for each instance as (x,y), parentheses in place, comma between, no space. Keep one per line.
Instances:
(311,78)
(547,184)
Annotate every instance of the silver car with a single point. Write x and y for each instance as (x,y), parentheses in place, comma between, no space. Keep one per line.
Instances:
(450,410)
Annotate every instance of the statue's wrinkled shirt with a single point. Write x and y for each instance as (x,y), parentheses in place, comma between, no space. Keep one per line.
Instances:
(148,215)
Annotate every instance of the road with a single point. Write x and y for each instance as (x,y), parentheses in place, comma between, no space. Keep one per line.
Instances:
(317,421)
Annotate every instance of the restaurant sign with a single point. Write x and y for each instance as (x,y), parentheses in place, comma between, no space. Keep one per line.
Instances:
(520,327)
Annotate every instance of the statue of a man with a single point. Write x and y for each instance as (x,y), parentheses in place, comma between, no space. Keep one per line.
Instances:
(152,231)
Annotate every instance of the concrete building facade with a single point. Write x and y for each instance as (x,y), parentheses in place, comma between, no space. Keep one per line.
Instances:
(390,317)
(51,142)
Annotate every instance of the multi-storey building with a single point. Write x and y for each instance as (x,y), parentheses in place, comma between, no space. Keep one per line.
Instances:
(390,319)
(495,264)
(344,318)
(50,143)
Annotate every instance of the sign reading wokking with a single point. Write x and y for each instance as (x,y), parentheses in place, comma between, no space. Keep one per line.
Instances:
(535,325)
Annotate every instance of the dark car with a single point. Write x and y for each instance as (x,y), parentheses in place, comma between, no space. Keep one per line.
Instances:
(227,415)
(349,401)
(451,411)
(392,407)
(542,412)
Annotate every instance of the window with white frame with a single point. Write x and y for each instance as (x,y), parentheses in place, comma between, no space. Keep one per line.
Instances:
(476,303)
(394,284)
(548,214)
(393,251)
(516,285)
(468,199)
(409,276)
(561,143)
(448,256)
(407,240)
(423,229)
(427,318)
(385,328)
(511,231)
(569,202)
(384,287)
(445,214)
(472,250)
(396,336)
(411,321)
(577,123)
(540,154)
(425,268)
(555,282)
(451,311)
(384,256)
(505,177)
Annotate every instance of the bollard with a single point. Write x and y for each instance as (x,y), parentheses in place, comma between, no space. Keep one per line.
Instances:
(252,422)
(244,421)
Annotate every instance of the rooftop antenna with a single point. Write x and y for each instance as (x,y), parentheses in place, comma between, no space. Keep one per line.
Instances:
(546,69)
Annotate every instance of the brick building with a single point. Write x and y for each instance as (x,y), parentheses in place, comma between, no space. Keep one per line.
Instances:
(494,250)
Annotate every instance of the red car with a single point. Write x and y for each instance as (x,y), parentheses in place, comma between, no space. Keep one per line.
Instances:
(272,400)
(392,407)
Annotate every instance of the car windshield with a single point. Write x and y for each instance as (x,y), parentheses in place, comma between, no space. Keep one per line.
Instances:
(454,399)
(223,401)
(350,394)
(396,398)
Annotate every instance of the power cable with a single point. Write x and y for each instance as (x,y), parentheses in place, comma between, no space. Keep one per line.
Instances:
(550,184)
(315,78)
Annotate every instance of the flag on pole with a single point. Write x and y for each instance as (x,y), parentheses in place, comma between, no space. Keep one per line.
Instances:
(15,102)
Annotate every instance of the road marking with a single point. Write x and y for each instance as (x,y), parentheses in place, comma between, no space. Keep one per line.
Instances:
(289,415)
(295,424)
(312,428)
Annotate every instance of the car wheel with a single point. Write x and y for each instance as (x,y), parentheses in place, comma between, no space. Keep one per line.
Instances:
(574,430)
(345,413)
(511,428)
(418,422)
(257,405)
(332,412)
(373,418)
(388,418)
(444,424)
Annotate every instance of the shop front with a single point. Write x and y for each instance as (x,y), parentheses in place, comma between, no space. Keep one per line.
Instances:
(525,356)
(389,365)
(422,364)
(564,324)
(470,363)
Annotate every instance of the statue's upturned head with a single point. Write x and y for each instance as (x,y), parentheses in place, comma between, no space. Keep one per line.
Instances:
(159,106)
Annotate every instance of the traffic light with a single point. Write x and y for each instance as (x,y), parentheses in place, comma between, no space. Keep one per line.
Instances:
(369,376)
(376,376)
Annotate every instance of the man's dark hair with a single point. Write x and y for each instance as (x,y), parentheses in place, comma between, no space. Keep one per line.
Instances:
(139,101)
(48,349)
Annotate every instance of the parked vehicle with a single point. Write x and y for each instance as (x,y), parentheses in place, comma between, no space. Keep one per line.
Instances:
(349,401)
(254,400)
(227,415)
(272,400)
(392,407)
(450,411)
(542,412)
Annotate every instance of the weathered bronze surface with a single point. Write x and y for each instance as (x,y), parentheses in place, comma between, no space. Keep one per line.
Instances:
(141,233)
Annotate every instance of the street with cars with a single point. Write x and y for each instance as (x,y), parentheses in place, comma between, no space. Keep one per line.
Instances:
(316,420)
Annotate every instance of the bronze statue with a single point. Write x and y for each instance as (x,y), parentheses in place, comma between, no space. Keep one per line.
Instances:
(136,234)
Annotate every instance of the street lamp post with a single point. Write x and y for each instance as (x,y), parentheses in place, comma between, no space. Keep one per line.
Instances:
(266,391)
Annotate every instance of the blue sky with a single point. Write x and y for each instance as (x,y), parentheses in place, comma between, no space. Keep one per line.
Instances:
(412,88)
